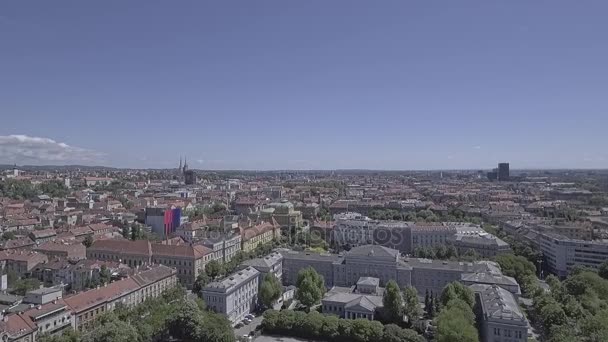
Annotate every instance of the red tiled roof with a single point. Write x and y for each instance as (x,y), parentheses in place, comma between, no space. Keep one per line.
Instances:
(99,226)
(180,251)
(91,298)
(140,247)
(254,231)
(21,255)
(17,325)
(43,233)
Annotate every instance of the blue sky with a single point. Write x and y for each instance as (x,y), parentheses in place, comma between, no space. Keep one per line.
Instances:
(305,84)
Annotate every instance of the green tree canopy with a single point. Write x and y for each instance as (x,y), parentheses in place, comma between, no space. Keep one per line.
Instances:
(270,290)
(603,270)
(411,306)
(111,329)
(393,303)
(201,281)
(213,269)
(310,287)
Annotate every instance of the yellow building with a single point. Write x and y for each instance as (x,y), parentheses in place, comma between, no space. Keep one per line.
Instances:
(259,234)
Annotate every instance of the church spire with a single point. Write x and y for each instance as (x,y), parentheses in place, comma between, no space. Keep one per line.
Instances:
(180,162)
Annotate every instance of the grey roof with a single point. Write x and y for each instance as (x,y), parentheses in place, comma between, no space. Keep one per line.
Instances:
(481,239)
(267,261)
(498,303)
(232,281)
(6,298)
(488,278)
(46,290)
(307,255)
(374,250)
(368,281)
(354,300)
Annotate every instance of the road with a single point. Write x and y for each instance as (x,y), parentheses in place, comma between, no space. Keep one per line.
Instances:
(245,330)
(278,339)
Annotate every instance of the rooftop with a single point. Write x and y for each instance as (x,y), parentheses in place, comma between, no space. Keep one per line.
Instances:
(498,303)
(232,281)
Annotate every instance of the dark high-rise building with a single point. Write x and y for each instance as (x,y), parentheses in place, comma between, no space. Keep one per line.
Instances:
(189,177)
(503,172)
(493,175)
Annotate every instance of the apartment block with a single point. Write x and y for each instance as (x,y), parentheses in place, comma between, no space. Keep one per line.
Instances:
(235,296)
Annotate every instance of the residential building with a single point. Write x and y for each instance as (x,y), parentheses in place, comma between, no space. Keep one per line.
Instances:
(92,181)
(151,282)
(17,328)
(224,245)
(19,261)
(499,317)
(73,250)
(272,263)
(189,260)
(260,234)
(43,235)
(561,253)
(235,296)
(484,244)
(353,229)
(285,215)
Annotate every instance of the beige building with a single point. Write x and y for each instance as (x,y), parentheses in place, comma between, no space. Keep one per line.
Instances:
(284,213)
(151,282)
(19,261)
(260,234)
(186,259)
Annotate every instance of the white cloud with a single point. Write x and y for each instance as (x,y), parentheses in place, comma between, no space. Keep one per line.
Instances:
(26,149)
(200,161)
(477,147)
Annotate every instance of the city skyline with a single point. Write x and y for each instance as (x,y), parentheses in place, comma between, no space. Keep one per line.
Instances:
(317,86)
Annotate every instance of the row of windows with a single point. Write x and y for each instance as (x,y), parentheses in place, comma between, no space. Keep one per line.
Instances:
(508,333)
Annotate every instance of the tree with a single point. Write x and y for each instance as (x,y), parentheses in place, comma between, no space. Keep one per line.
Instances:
(112,329)
(393,333)
(411,306)
(553,314)
(270,290)
(186,322)
(201,281)
(448,294)
(603,270)
(22,286)
(456,290)
(310,287)
(453,326)
(135,232)
(364,330)
(8,236)
(104,275)
(126,232)
(53,188)
(393,303)
(67,335)
(213,269)
(88,241)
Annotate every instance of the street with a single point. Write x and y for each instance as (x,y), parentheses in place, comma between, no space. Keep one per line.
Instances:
(246,329)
